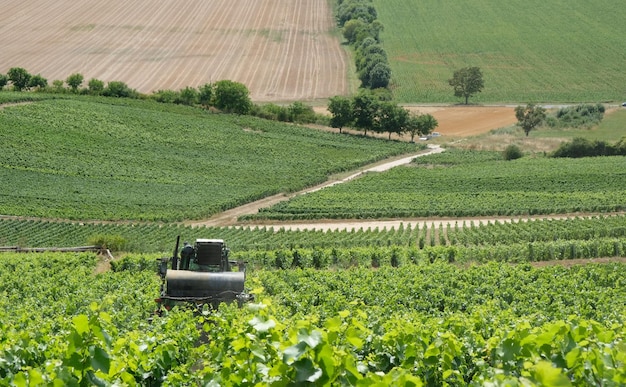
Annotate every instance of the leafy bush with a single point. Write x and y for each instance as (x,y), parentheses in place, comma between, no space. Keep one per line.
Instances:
(119,89)
(512,152)
(165,96)
(583,115)
(108,241)
(582,147)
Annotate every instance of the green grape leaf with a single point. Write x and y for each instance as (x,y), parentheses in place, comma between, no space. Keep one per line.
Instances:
(262,325)
(306,371)
(100,360)
(294,352)
(81,324)
(549,376)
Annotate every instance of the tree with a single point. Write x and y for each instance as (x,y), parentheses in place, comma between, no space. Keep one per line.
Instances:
(413,126)
(19,77)
(364,109)
(367,51)
(354,31)
(37,81)
(232,97)
(205,93)
(118,89)
(379,76)
(529,117)
(467,82)
(96,86)
(427,123)
(341,110)
(391,118)
(421,124)
(355,10)
(74,81)
(3,81)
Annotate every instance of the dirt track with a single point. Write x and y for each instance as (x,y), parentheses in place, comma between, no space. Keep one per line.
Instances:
(229,217)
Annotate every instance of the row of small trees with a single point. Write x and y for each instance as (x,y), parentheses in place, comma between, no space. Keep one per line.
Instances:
(361,29)
(366,112)
(225,95)
(21,80)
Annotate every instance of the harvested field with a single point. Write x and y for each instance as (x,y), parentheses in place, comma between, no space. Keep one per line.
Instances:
(463,121)
(459,121)
(282,50)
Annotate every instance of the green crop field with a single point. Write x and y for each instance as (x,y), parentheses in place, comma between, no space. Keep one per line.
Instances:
(539,51)
(420,324)
(107,159)
(531,185)
(268,247)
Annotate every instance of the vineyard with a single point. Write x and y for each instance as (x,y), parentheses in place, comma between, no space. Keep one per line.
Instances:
(417,324)
(528,50)
(519,297)
(87,158)
(466,184)
(267,247)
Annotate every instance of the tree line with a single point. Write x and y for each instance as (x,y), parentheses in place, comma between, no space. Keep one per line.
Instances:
(366,112)
(358,22)
(227,96)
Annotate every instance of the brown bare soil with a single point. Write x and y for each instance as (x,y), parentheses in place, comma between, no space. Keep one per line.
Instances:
(463,121)
(460,121)
(280,49)
(573,262)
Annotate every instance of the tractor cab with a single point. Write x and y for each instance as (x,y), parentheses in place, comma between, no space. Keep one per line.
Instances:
(208,255)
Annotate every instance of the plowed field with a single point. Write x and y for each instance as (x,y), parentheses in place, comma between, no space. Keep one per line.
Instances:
(281,49)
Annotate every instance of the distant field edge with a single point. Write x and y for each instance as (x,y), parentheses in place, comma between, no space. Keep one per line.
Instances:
(532,51)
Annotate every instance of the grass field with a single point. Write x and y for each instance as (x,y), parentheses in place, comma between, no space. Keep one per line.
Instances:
(611,129)
(557,51)
(123,159)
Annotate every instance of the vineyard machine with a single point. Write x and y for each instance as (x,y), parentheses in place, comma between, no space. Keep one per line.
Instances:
(203,275)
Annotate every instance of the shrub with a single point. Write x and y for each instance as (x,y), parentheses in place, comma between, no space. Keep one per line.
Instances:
(108,241)
(166,96)
(119,89)
(3,80)
(581,147)
(301,113)
(583,115)
(95,86)
(512,152)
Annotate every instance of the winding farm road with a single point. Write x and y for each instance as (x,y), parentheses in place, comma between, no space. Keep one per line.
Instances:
(229,217)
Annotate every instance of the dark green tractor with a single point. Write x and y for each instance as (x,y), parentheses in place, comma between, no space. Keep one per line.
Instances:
(203,275)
